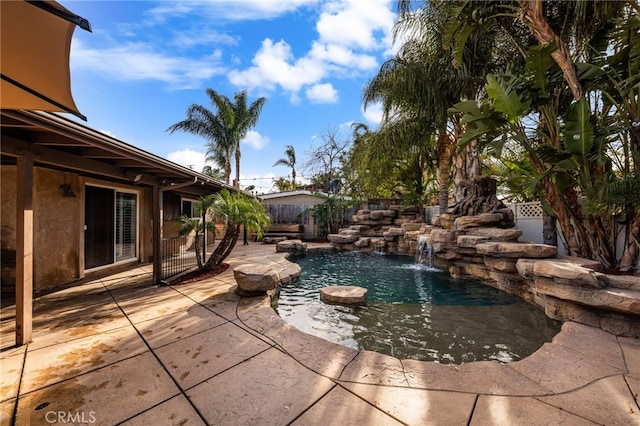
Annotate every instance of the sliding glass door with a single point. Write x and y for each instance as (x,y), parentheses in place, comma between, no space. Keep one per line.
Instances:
(110,226)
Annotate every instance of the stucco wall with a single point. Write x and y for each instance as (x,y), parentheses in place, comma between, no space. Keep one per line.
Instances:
(8,207)
(56,223)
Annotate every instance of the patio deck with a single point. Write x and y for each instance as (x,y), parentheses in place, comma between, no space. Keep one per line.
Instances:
(119,350)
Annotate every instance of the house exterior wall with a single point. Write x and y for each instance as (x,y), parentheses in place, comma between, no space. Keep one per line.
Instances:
(58,226)
(56,220)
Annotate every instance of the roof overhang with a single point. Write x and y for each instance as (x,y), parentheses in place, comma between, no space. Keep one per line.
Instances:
(59,143)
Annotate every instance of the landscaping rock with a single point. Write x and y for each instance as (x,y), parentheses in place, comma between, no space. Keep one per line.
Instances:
(363,242)
(530,250)
(344,294)
(343,239)
(496,234)
(273,240)
(569,273)
(476,221)
(255,279)
(412,226)
(291,246)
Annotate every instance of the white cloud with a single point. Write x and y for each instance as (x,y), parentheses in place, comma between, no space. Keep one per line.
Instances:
(355,23)
(274,65)
(340,55)
(373,113)
(140,61)
(322,94)
(188,158)
(255,140)
(229,9)
(348,32)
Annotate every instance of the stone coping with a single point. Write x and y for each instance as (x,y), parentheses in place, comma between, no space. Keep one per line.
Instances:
(577,356)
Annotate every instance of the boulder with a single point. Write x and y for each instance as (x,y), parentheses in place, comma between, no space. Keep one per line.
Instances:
(505,249)
(273,240)
(569,273)
(477,221)
(343,239)
(471,240)
(412,226)
(444,236)
(394,232)
(291,246)
(525,267)
(612,299)
(344,294)
(496,234)
(255,279)
(363,242)
(501,264)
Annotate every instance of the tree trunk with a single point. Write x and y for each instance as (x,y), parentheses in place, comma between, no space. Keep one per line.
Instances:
(466,167)
(227,243)
(444,152)
(549,231)
(629,258)
(198,251)
(237,181)
(533,17)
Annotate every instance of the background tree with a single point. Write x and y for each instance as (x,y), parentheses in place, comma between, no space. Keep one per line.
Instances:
(420,82)
(223,128)
(289,161)
(325,160)
(282,184)
(215,173)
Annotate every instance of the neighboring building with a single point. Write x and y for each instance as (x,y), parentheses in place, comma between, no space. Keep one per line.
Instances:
(293,207)
(77,202)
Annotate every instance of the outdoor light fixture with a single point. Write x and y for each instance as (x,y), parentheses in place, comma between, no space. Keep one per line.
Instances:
(67,191)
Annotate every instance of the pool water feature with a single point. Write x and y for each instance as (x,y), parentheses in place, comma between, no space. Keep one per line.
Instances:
(412,311)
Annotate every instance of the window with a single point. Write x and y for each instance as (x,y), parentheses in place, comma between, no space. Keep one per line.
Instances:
(125,226)
(191,208)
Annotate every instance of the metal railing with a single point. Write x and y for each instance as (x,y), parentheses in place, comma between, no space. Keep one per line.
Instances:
(179,255)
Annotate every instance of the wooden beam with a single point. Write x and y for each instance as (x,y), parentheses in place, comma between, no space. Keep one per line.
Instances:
(41,138)
(16,147)
(24,251)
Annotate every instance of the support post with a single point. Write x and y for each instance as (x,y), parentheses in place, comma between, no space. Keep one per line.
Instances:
(157,234)
(24,251)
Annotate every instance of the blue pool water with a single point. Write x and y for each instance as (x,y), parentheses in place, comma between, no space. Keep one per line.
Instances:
(412,311)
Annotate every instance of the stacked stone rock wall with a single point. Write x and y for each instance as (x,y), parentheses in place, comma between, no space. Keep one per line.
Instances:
(476,248)
(380,230)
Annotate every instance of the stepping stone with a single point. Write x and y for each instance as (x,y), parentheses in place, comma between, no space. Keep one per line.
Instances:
(344,294)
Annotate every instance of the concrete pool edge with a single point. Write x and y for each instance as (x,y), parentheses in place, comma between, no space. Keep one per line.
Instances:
(569,362)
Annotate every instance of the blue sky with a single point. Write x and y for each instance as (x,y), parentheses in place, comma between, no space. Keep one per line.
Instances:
(147,61)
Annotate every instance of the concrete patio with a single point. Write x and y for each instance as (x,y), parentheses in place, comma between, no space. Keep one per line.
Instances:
(118,350)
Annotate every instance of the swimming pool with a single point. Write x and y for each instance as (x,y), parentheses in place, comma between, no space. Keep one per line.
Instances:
(412,311)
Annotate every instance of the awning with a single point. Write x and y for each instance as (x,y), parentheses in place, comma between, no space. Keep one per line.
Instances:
(35,40)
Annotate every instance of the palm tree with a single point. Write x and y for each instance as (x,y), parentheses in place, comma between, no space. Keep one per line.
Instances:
(224,128)
(234,210)
(421,82)
(289,161)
